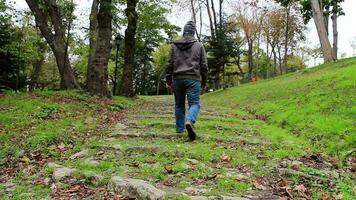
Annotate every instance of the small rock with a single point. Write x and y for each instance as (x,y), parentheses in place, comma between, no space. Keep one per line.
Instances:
(125,134)
(111,139)
(80,154)
(296,163)
(193,161)
(232,198)
(115,147)
(53,165)
(194,191)
(135,188)
(47,181)
(284,164)
(91,161)
(9,187)
(62,172)
(96,179)
(241,177)
(199,198)
(185,166)
(120,127)
(21,153)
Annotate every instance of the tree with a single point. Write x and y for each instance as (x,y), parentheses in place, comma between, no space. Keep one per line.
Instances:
(328,52)
(100,46)
(11,62)
(127,88)
(49,19)
(152,28)
(160,58)
(336,12)
(247,15)
(327,7)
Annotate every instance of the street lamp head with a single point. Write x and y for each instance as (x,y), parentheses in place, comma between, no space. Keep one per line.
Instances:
(118,40)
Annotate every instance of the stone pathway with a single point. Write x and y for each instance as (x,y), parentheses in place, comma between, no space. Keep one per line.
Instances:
(143,158)
(149,132)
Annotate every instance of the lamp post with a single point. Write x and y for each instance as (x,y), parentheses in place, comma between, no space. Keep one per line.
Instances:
(118,40)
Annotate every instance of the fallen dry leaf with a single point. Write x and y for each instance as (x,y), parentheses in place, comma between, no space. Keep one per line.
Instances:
(259,186)
(225,158)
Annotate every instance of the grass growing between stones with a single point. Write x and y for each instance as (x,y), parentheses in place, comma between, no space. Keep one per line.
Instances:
(48,126)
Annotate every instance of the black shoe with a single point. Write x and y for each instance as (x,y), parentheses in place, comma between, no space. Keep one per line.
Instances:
(190,128)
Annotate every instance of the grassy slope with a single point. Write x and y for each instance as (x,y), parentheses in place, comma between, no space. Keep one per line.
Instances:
(317,104)
(38,120)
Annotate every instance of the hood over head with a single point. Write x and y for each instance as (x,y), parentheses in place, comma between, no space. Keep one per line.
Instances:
(185,42)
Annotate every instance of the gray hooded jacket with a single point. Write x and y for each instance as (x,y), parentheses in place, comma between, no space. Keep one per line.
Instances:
(187,60)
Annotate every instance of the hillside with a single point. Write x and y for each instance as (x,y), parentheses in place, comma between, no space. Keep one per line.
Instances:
(286,138)
(318,104)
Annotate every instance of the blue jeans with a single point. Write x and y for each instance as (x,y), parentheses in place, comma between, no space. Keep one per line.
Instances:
(191,89)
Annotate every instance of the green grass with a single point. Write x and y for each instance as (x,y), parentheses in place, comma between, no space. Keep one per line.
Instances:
(44,118)
(316,105)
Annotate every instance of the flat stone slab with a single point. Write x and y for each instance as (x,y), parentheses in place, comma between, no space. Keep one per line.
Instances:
(146,148)
(62,172)
(120,127)
(80,154)
(135,188)
(132,134)
(114,147)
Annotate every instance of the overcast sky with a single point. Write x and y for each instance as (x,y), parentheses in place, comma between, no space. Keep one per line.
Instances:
(346,24)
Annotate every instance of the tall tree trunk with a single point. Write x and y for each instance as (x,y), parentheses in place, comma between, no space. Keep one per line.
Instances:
(326,15)
(194,17)
(93,35)
(37,67)
(69,27)
(220,15)
(238,62)
(328,53)
(47,16)
(214,15)
(280,59)
(250,58)
(274,60)
(130,43)
(285,67)
(98,69)
(268,57)
(258,54)
(210,20)
(335,34)
(200,21)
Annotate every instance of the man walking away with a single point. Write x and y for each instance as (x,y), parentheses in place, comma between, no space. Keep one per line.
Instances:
(186,74)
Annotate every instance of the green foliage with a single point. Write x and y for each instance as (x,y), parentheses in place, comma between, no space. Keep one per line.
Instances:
(11,61)
(151,27)
(295,63)
(160,58)
(329,7)
(228,184)
(46,112)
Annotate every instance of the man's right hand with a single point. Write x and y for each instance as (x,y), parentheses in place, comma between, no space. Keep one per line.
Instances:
(169,86)
(205,88)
